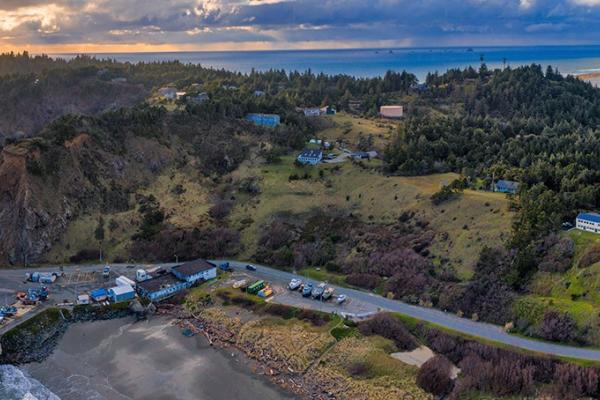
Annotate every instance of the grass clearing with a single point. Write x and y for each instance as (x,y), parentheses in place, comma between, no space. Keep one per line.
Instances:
(349,128)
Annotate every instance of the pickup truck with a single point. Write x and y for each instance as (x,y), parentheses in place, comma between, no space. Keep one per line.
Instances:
(328,293)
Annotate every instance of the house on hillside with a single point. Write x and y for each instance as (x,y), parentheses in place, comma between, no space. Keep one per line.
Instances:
(589,222)
(195,271)
(392,112)
(270,120)
(311,111)
(503,186)
(310,157)
(169,93)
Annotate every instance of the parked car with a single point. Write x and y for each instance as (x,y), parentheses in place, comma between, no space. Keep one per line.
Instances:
(295,284)
(318,291)
(328,293)
(250,267)
(307,290)
(341,298)
(225,266)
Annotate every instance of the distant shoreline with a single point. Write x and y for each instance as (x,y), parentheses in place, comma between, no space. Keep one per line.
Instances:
(590,75)
(368,63)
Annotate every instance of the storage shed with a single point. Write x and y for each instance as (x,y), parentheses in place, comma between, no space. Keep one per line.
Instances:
(121,293)
(99,295)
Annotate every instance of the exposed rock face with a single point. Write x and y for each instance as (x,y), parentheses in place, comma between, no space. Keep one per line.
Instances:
(27,227)
(35,209)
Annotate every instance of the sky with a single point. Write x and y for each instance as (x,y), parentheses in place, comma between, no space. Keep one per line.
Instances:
(78,26)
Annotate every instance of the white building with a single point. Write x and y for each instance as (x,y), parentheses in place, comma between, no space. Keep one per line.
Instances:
(311,111)
(169,93)
(589,222)
(391,111)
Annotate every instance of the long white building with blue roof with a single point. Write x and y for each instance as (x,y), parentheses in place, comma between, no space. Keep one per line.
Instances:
(589,222)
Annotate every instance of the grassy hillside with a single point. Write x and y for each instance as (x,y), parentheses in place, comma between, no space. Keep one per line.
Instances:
(575,292)
(463,225)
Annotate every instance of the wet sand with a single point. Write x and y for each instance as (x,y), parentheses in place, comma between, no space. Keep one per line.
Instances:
(120,359)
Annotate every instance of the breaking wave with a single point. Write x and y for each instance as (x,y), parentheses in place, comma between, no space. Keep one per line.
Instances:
(16,385)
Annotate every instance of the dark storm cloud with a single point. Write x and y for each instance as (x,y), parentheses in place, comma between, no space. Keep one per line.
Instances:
(427,22)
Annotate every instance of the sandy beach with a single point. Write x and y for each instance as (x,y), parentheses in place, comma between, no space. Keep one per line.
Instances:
(593,78)
(121,359)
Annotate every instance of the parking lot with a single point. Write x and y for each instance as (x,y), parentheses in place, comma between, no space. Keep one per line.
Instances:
(285,296)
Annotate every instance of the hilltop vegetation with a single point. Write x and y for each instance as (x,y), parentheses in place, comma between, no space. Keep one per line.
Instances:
(151,179)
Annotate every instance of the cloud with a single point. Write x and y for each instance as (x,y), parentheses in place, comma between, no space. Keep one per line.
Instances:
(200,24)
(590,3)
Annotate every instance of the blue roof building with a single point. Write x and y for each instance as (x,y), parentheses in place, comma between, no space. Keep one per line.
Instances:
(503,186)
(100,294)
(270,120)
(161,287)
(310,157)
(589,222)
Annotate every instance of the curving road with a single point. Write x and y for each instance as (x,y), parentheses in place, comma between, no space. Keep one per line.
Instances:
(450,321)
(12,279)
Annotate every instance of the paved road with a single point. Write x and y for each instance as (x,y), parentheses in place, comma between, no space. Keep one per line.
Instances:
(12,279)
(450,321)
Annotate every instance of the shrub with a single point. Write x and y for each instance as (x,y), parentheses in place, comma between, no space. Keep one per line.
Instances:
(221,209)
(444,194)
(434,376)
(358,369)
(280,310)
(389,327)
(557,326)
(85,255)
(592,256)
(314,317)
(366,281)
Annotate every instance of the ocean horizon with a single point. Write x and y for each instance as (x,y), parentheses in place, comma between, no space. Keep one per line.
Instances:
(371,62)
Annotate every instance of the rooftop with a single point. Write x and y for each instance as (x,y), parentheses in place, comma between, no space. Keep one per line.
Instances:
(121,289)
(193,267)
(161,282)
(311,153)
(507,184)
(593,217)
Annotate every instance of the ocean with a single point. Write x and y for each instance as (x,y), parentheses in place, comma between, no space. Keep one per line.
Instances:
(121,359)
(375,62)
